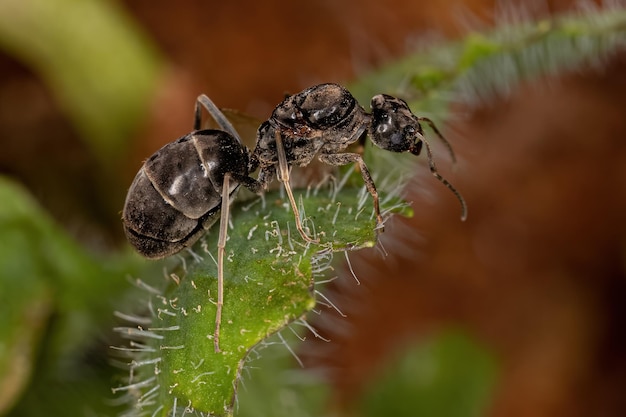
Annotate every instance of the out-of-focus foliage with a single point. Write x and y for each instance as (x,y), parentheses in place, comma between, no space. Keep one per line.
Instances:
(445,375)
(57,300)
(101,68)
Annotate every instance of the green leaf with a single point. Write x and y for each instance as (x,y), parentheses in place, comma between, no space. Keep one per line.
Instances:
(269,283)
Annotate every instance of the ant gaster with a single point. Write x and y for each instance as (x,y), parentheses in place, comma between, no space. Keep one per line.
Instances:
(180,190)
(323,121)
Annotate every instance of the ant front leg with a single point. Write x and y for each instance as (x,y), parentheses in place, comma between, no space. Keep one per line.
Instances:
(283,176)
(339,159)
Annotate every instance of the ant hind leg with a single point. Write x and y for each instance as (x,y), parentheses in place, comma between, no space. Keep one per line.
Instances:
(221,245)
(217,115)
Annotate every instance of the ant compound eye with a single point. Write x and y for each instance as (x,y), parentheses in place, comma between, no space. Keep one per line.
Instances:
(383,124)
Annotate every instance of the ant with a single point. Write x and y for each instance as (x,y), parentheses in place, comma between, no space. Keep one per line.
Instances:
(323,121)
(179,192)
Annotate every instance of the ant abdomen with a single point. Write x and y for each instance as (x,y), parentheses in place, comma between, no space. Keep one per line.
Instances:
(177,193)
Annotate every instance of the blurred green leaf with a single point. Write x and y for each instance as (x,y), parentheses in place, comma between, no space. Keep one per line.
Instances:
(482,66)
(54,300)
(448,375)
(273,385)
(25,293)
(99,65)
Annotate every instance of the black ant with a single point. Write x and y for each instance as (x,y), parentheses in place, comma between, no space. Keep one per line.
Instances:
(180,190)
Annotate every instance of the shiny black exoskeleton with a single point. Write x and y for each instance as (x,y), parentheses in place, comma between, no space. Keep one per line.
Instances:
(319,121)
(177,194)
(395,128)
(180,190)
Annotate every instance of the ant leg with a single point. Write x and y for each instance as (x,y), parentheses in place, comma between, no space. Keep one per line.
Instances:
(438,133)
(433,170)
(216,114)
(221,245)
(283,176)
(346,158)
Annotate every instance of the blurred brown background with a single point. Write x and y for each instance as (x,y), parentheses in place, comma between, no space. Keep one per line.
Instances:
(537,271)
(245,55)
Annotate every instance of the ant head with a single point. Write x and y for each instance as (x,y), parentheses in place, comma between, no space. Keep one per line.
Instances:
(394,127)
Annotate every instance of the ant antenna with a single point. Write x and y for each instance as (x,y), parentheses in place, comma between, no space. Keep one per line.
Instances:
(433,170)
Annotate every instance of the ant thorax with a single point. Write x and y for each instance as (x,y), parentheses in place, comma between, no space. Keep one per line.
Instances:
(324,119)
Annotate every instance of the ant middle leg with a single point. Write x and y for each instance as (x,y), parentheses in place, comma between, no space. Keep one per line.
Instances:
(339,159)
